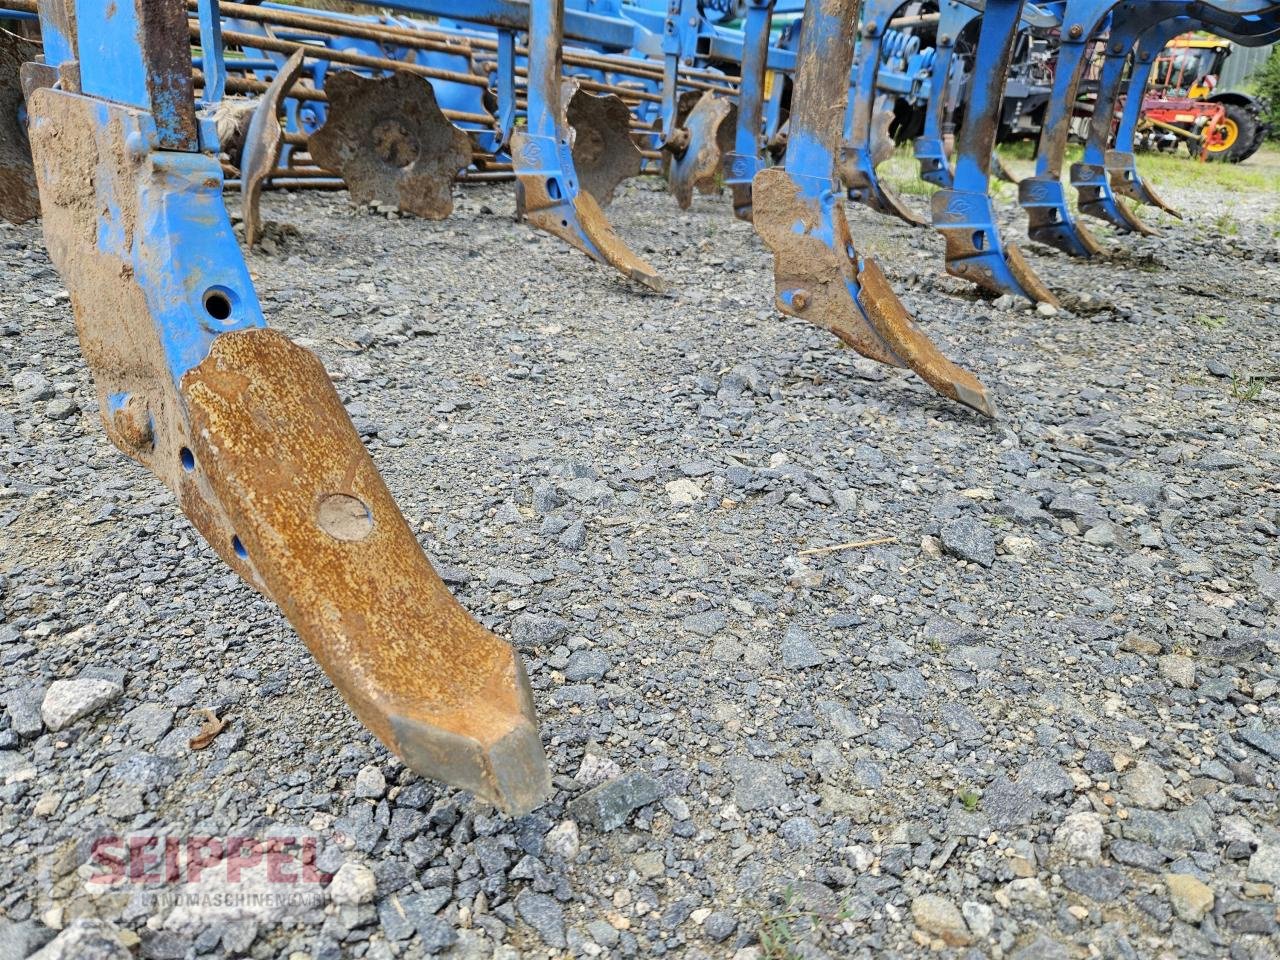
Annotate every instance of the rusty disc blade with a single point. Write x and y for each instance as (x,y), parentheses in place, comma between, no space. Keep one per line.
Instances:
(261,150)
(317,525)
(19,197)
(603,152)
(709,127)
(391,143)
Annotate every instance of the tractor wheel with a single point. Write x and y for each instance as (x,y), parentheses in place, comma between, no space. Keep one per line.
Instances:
(1240,135)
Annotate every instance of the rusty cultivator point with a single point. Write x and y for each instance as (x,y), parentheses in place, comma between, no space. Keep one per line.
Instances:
(122,123)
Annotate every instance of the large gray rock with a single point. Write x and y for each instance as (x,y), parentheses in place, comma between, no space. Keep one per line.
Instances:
(67,701)
(607,806)
(23,707)
(86,940)
(968,538)
(544,915)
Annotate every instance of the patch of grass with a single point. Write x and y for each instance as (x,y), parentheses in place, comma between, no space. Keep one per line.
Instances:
(1208,322)
(778,940)
(1246,388)
(1226,222)
(901,174)
(782,932)
(969,797)
(1259,173)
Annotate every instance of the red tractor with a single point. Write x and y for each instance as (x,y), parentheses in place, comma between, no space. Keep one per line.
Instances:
(1181,104)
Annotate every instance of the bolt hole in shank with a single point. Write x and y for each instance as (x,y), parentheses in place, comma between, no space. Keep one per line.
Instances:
(221,304)
(344,517)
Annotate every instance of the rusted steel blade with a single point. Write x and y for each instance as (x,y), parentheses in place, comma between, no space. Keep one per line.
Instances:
(696,164)
(1027,278)
(549,197)
(1126,180)
(603,151)
(858,167)
(321,532)
(882,145)
(975,250)
(19,198)
(1095,200)
(391,142)
(818,278)
(905,338)
(261,149)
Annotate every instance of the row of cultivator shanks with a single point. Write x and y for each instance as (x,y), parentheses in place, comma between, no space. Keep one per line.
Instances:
(141,112)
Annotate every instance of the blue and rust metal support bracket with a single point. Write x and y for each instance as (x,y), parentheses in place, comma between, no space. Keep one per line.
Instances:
(747,157)
(964,213)
(857,165)
(1122,168)
(930,147)
(1130,22)
(244,426)
(798,211)
(1043,194)
(548,193)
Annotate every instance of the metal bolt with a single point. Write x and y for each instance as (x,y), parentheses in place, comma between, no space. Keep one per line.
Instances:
(132,421)
(800,299)
(1076,31)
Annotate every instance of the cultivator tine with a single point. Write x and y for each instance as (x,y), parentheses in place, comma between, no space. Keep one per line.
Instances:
(1042,195)
(798,212)
(1094,198)
(1119,162)
(548,193)
(604,153)
(746,158)
(391,143)
(708,137)
(857,158)
(244,426)
(1049,218)
(322,533)
(261,151)
(1122,168)
(964,213)
(19,199)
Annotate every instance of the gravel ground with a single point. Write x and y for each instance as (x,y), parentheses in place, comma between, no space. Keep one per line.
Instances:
(1039,719)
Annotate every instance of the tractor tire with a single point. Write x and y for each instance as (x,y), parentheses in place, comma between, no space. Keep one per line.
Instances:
(1243,140)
